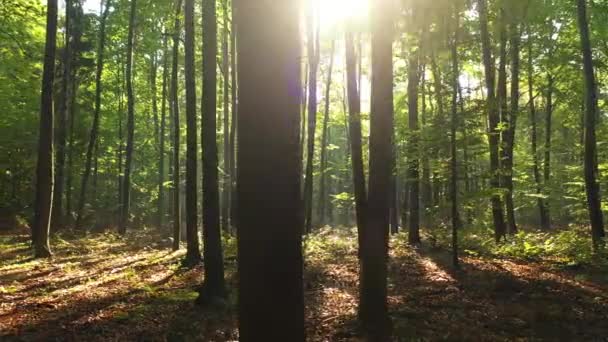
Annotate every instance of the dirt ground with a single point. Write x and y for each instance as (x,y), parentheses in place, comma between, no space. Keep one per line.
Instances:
(105,288)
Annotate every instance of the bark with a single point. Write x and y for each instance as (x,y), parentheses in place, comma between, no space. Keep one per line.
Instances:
(193,254)
(493,121)
(126,188)
(163,123)
(213,285)
(591,107)
(313,60)
(233,119)
(373,308)
(269,172)
(323,193)
(44,167)
(176,128)
(354,127)
(96,114)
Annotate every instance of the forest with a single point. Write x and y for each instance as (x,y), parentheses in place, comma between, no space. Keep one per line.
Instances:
(303,170)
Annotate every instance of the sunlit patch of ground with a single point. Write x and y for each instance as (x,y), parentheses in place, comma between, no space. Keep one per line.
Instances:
(102,287)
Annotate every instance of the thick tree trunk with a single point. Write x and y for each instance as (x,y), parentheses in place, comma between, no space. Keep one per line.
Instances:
(356,149)
(269,172)
(591,184)
(44,167)
(126,188)
(414,151)
(213,285)
(373,308)
(62,120)
(96,114)
(176,128)
(493,121)
(193,254)
(323,200)
(313,60)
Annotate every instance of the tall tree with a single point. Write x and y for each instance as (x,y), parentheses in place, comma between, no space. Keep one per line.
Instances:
(193,253)
(176,127)
(313,60)
(227,183)
(212,240)
(591,185)
(126,188)
(269,224)
(493,121)
(414,151)
(96,113)
(354,128)
(453,129)
(163,123)
(233,119)
(62,121)
(373,308)
(44,167)
(323,203)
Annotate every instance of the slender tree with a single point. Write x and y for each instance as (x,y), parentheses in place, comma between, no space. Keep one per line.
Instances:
(269,172)
(163,123)
(453,148)
(213,285)
(227,183)
(193,253)
(176,127)
(126,188)
(96,114)
(44,167)
(591,184)
(323,203)
(313,60)
(493,122)
(414,151)
(233,119)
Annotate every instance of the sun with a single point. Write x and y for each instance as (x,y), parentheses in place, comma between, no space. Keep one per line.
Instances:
(336,12)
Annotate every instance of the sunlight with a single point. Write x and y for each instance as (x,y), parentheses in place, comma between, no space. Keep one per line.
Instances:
(335,12)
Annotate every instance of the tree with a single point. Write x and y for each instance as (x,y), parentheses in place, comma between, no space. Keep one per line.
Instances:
(591,185)
(323,194)
(176,128)
(193,254)
(44,167)
(354,128)
(214,264)
(62,119)
(414,150)
(453,148)
(269,224)
(227,183)
(163,123)
(493,121)
(373,307)
(313,60)
(97,111)
(126,188)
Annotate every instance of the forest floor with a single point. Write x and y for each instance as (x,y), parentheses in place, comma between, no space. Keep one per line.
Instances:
(102,287)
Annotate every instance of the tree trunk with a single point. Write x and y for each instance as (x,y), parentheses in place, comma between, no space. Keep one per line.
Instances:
(356,149)
(96,114)
(323,203)
(493,121)
(269,172)
(226,188)
(176,128)
(545,221)
(373,308)
(213,285)
(193,254)
(591,185)
(163,123)
(62,118)
(44,166)
(511,122)
(427,191)
(414,151)
(233,120)
(126,188)
(548,130)
(313,60)
(453,149)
